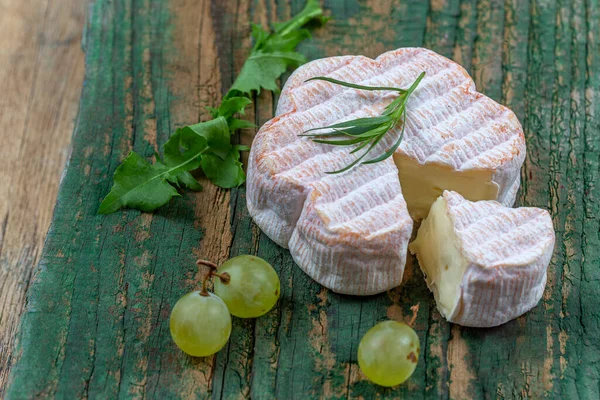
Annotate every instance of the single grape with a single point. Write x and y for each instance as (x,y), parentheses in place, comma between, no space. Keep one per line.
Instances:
(388,353)
(200,325)
(251,287)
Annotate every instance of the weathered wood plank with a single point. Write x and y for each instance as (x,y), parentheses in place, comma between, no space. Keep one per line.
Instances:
(487,48)
(113,278)
(587,369)
(535,188)
(41,72)
(100,302)
(465,34)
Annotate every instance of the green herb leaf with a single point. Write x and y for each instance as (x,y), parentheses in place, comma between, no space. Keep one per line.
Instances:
(145,186)
(312,10)
(339,142)
(226,173)
(215,132)
(359,122)
(273,53)
(230,107)
(139,184)
(367,131)
(189,142)
(392,149)
(354,85)
(262,70)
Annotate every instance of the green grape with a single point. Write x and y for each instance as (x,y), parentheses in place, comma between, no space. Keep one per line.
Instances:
(388,353)
(252,288)
(200,325)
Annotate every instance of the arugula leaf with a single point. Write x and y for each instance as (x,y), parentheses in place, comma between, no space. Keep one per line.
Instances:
(207,145)
(236,124)
(311,10)
(226,173)
(139,184)
(215,132)
(230,107)
(262,69)
(273,53)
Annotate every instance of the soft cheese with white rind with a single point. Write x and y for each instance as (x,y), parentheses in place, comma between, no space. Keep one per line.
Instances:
(455,138)
(350,231)
(485,263)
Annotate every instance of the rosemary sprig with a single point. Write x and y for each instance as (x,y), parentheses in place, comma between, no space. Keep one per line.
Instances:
(366,132)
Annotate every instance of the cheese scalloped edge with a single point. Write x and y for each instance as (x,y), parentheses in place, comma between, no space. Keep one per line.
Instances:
(350,231)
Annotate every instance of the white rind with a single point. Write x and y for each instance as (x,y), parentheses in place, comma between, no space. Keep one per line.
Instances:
(362,250)
(508,251)
(341,239)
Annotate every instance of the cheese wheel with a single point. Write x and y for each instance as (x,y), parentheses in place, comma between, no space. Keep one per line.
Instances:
(350,231)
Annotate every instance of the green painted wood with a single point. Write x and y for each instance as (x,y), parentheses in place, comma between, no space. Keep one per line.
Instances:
(96,320)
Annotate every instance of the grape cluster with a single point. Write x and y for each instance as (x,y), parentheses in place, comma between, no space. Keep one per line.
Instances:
(247,287)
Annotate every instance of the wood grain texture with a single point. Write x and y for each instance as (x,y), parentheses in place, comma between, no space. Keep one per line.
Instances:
(41,73)
(96,321)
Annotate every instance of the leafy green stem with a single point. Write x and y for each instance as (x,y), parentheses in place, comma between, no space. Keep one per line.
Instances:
(140,184)
(369,131)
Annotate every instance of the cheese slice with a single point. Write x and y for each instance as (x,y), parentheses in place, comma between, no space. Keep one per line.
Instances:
(485,263)
(350,231)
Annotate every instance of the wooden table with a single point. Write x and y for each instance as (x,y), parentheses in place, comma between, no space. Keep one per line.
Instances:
(96,320)
(41,72)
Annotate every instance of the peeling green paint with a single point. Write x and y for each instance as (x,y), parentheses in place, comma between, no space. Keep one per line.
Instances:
(96,321)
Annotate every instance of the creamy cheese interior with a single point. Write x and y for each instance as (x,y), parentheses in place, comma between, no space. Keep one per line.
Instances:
(438,251)
(422,184)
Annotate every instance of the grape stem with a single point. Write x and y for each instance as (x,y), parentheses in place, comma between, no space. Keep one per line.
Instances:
(415,311)
(209,264)
(204,291)
(225,277)
(205,279)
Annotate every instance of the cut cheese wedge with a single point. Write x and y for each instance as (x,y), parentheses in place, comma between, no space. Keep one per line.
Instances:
(350,231)
(485,263)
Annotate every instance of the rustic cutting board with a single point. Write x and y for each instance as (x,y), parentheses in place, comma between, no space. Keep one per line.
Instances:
(96,320)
